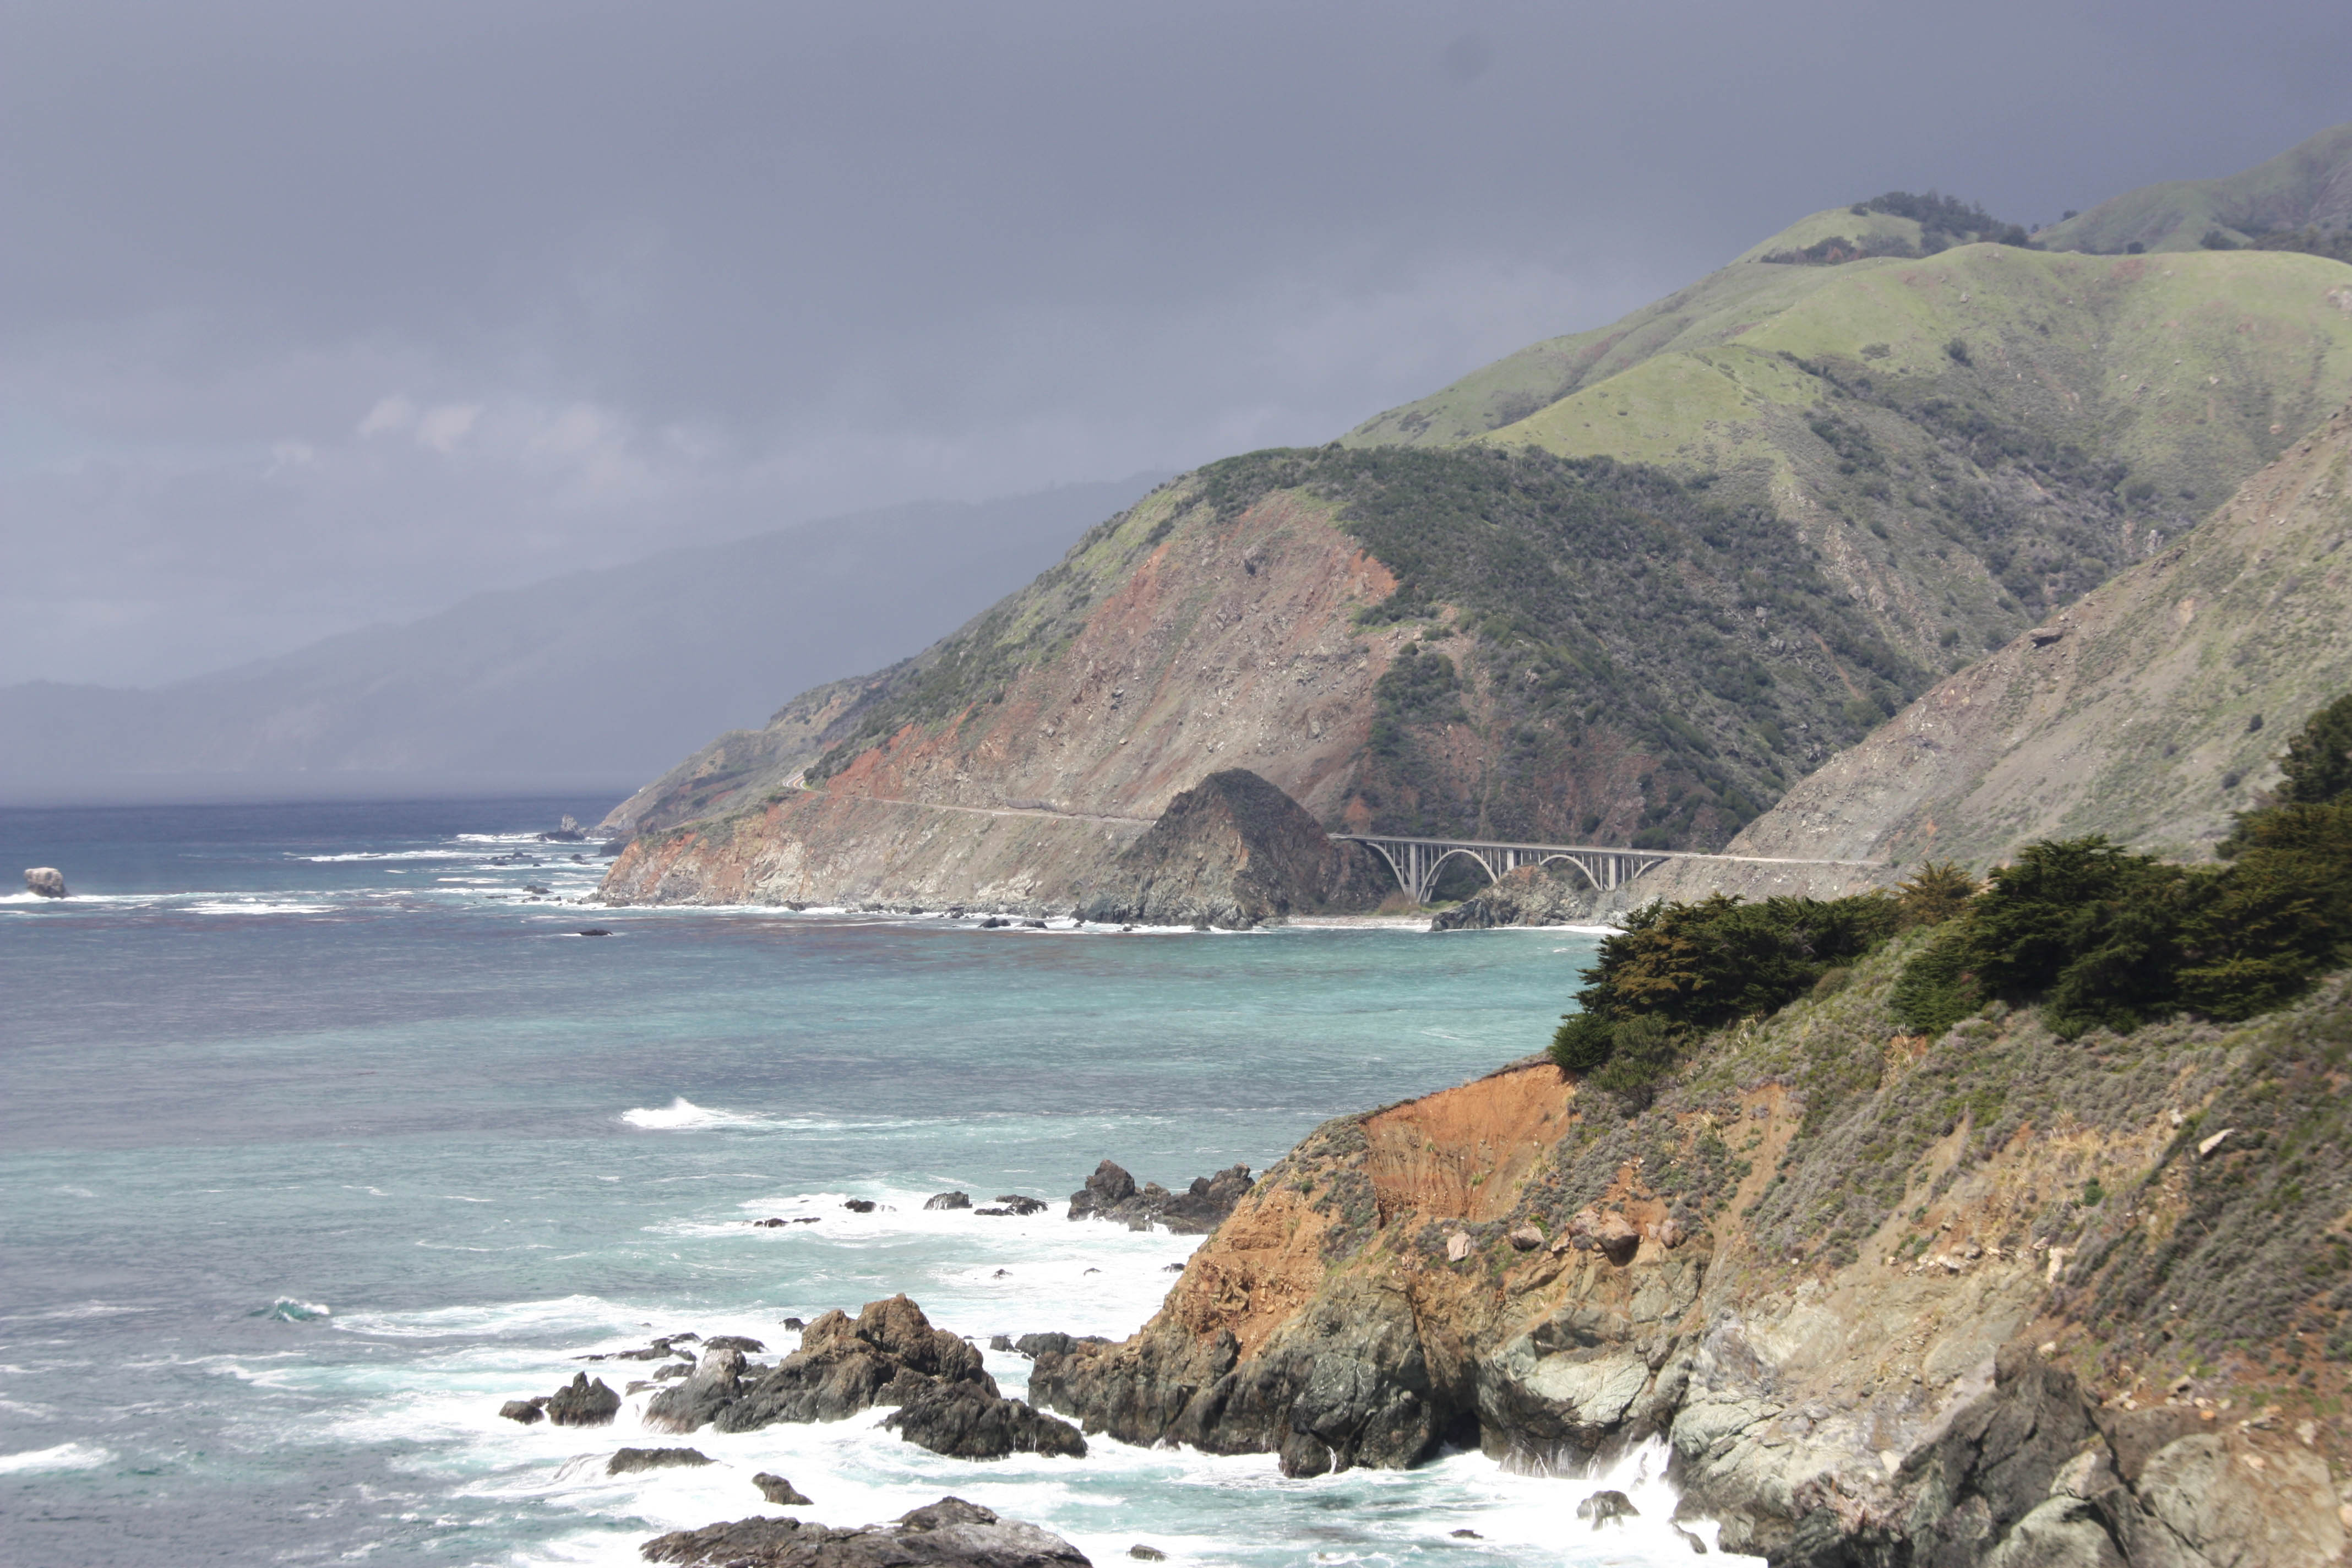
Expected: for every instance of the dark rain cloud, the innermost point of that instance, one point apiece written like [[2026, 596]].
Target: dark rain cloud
[[312, 315]]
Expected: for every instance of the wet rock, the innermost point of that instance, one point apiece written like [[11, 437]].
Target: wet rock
[[861, 1205], [778, 1490], [1465, 1535], [567, 831], [794, 1325], [1000, 1342], [594, 930], [994, 924], [734, 1342], [526, 1411], [887, 1356], [582, 1403], [948, 1533], [1143, 1554], [965, 1421], [1111, 1194], [44, 881], [1015, 1204], [628, 1461], [1607, 1507], [948, 1201], [1053, 1344], [1697, 1546]]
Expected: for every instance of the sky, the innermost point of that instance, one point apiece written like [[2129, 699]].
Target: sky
[[313, 316]]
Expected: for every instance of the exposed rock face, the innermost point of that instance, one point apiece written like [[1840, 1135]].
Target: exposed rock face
[[567, 831], [887, 1355], [778, 1490], [1234, 851], [44, 881], [1111, 1194], [948, 1533], [948, 1201], [1874, 1336], [1529, 896], [2138, 712], [965, 1421]]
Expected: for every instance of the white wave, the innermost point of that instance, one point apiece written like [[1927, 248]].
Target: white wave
[[64, 1456], [682, 1115], [256, 907], [389, 855], [288, 1309]]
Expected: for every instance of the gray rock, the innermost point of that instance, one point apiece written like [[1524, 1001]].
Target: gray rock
[[1015, 1204], [948, 1201], [1111, 1194], [628, 1461], [965, 1421], [948, 1533], [582, 1403], [526, 1411], [1143, 1554], [44, 881], [1607, 1507], [887, 1356], [778, 1490], [716, 1383], [1036, 1345]]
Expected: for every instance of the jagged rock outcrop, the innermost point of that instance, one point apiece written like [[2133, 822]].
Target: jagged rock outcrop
[[887, 1356], [1528, 895], [1234, 851], [965, 1421], [948, 1533], [630, 1461], [1111, 1194], [581, 1404], [1996, 1300], [44, 881]]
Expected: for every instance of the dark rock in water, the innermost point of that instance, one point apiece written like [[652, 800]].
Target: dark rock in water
[[1467, 1535], [734, 1342], [964, 1421], [583, 1403], [1015, 1204], [1607, 1507], [526, 1411], [566, 832], [1529, 896], [1053, 1344], [778, 1490], [44, 881], [948, 1533], [595, 930], [629, 1460], [1000, 1342], [1234, 851], [676, 1369], [536, 891], [1111, 1194], [948, 1201], [994, 924], [887, 1356], [794, 1325], [1035, 925], [1143, 1554], [1171, 1268], [1689, 1540], [860, 1205]]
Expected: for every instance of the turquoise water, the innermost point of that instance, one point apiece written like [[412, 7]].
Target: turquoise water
[[319, 1137]]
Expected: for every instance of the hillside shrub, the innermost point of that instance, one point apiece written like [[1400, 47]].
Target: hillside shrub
[[2106, 938]]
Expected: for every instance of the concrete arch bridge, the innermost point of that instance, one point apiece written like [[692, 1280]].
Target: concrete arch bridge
[[1417, 862]]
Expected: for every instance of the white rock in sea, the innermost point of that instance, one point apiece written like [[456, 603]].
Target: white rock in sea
[[45, 881]]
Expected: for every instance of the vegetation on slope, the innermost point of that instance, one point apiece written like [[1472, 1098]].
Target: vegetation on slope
[[2309, 183]]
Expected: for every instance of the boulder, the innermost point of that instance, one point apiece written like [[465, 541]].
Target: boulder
[[965, 1421], [778, 1490], [887, 1356], [860, 1205], [1607, 1507], [526, 1411], [628, 1461], [734, 1342], [948, 1201], [44, 881], [1143, 1554], [1111, 1194], [567, 831], [1015, 1204], [1053, 1343], [583, 1403], [1526, 1238], [948, 1533]]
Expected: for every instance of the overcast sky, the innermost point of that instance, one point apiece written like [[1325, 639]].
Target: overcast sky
[[315, 314]]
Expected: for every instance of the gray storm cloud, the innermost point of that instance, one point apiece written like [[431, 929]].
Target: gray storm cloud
[[315, 316]]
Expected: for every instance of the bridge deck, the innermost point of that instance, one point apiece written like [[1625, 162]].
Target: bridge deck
[[1416, 862]]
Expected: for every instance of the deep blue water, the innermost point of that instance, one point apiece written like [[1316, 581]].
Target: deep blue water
[[321, 1136]]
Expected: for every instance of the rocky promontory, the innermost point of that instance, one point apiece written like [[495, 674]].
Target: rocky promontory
[[1234, 851], [1998, 1299], [1111, 1194]]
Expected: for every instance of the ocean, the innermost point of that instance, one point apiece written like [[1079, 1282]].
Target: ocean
[[322, 1133]]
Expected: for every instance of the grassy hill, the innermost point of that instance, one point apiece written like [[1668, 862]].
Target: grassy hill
[[2307, 186]]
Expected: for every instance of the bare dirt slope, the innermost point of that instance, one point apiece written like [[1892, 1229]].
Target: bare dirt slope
[[2146, 712]]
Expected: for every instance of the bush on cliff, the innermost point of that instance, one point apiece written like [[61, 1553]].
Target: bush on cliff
[[2105, 939]]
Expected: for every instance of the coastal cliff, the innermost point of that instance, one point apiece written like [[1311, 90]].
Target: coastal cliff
[[1998, 1299]]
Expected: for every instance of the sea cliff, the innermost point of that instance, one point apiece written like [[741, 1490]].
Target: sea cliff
[[1998, 1299]]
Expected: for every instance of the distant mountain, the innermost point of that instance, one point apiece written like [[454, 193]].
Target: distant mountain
[[2307, 186], [1625, 586], [595, 677]]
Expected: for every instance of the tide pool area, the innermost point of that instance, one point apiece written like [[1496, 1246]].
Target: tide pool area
[[323, 1131]]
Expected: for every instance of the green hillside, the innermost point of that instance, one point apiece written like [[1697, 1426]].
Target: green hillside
[[2309, 184]]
